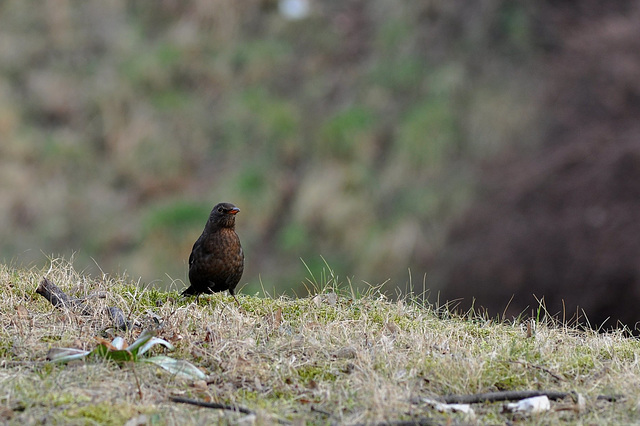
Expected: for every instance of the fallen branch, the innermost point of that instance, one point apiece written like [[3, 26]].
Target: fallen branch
[[61, 300], [501, 396], [119, 321]]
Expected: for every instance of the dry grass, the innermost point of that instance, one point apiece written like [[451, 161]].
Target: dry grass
[[319, 360]]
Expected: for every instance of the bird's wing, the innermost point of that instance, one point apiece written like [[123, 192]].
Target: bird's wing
[[197, 245]]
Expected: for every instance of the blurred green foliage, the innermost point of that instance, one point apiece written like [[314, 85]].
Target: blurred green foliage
[[175, 219], [343, 133], [352, 134]]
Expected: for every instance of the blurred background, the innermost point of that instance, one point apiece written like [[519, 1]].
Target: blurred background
[[485, 150]]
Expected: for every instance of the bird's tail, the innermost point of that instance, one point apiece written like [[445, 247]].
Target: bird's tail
[[189, 291]]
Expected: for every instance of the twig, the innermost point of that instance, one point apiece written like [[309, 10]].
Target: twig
[[416, 422], [318, 410], [135, 375], [610, 398], [501, 396], [97, 295], [539, 367], [217, 406], [213, 405]]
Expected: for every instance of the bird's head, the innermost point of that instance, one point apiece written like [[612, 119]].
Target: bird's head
[[223, 215]]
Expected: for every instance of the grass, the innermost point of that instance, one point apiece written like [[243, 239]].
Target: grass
[[331, 358]]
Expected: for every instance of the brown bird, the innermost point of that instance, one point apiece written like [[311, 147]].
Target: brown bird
[[217, 261]]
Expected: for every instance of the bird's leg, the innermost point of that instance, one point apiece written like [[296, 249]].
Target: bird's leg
[[233, 293]]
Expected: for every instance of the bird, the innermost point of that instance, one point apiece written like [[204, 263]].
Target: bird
[[216, 262]]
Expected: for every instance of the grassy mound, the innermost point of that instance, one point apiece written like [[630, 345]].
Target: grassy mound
[[333, 357]]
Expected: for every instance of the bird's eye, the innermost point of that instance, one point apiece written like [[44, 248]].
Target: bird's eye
[[220, 209]]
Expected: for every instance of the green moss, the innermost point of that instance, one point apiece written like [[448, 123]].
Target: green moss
[[505, 378], [475, 330], [6, 347], [248, 396], [316, 373], [326, 314], [625, 352], [405, 323], [102, 413], [46, 370], [36, 396], [523, 349], [582, 363]]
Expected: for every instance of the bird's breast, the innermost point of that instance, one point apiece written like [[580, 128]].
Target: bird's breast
[[223, 246]]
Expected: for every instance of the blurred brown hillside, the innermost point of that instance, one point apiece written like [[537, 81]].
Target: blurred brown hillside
[[350, 134], [564, 224]]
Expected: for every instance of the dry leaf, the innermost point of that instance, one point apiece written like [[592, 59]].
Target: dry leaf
[[392, 328], [210, 336], [108, 344], [277, 318], [199, 385], [330, 299], [22, 311], [6, 413], [345, 353]]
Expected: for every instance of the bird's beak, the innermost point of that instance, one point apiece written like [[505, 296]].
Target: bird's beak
[[234, 210]]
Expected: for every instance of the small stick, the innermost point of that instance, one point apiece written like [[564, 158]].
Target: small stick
[[501, 396], [413, 422], [217, 406], [318, 410], [610, 398], [133, 369], [211, 405], [539, 367]]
